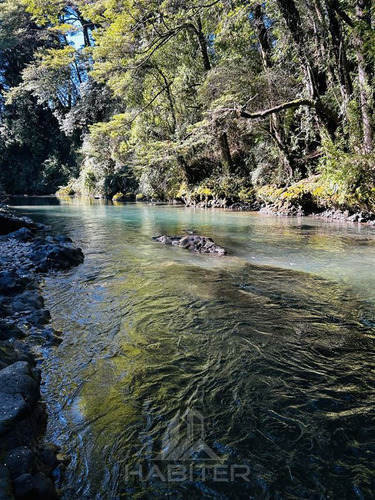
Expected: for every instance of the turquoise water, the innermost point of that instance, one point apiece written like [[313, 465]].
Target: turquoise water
[[270, 350]]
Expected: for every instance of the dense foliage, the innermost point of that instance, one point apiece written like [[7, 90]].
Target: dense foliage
[[194, 99]]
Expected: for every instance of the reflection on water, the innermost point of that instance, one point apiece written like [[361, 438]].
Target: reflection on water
[[272, 345]]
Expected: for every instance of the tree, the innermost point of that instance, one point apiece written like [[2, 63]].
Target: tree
[[35, 155], [186, 95]]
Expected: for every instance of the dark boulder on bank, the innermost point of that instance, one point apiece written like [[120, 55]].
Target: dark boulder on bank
[[24, 234], [192, 242], [19, 392], [55, 254], [11, 281], [349, 215], [10, 223]]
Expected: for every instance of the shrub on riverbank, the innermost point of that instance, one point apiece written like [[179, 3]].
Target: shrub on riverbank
[[222, 189], [329, 191]]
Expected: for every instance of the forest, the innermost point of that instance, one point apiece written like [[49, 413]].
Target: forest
[[214, 102]]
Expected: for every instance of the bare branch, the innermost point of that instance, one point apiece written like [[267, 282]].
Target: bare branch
[[286, 105]]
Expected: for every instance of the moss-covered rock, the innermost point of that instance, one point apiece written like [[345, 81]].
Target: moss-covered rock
[[309, 196], [67, 190], [118, 197], [302, 198]]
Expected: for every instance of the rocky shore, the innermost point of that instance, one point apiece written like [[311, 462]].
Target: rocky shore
[[301, 209], [224, 203], [28, 465], [302, 206], [361, 217]]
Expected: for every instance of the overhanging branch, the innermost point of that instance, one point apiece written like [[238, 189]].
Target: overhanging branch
[[286, 105]]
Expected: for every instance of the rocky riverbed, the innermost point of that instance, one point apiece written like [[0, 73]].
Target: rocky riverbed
[[28, 465]]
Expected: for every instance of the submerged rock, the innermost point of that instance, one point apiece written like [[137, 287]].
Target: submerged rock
[[193, 242]]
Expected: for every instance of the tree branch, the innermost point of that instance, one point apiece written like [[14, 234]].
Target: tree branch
[[149, 103], [286, 105], [340, 12], [325, 113]]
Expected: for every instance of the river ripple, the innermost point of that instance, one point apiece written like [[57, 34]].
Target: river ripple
[[272, 346]]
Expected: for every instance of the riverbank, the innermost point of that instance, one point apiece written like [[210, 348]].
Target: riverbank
[[308, 197], [295, 210], [27, 252], [312, 196], [288, 209]]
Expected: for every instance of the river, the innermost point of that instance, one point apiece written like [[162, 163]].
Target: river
[[249, 376]]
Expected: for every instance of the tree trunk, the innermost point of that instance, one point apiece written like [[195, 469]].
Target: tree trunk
[[225, 152], [363, 14], [316, 82], [203, 45], [262, 33], [276, 131], [337, 38]]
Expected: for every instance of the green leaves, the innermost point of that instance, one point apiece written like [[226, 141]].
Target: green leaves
[[183, 92], [45, 12]]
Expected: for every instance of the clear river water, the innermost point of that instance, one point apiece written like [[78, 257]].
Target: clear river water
[[188, 376]]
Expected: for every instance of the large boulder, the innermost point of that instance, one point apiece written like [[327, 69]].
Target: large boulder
[[5, 484], [11, 282], [192, 242], [12, 408], [10, 223], [19, 461], [24, 234], [55, 255], [19, 392]]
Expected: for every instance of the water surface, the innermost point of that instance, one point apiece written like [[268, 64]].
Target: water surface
[[273, 346]]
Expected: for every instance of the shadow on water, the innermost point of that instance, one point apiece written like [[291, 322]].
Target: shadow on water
[[278, 363], [34, 201]]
